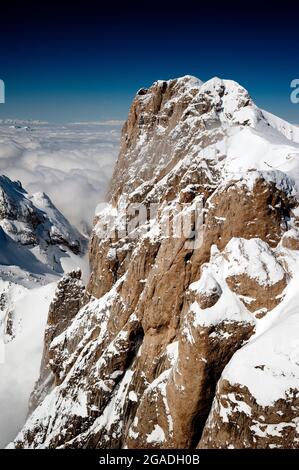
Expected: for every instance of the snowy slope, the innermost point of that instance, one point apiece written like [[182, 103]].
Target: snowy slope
[[275, 345], [221, 124], [21, 353], [290, 131], [35, 237]]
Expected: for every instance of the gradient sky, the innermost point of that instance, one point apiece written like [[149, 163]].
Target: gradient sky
[[63, 62]]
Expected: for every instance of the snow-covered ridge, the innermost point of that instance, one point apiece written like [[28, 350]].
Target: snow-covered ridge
[[184, 122], [290, 131], [35, 236], [234, 101], [228, 99]]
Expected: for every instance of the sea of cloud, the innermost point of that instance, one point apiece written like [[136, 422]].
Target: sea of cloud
[[71, 163]]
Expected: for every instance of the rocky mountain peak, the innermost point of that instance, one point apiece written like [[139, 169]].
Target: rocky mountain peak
[[177, 302], [176, 119]]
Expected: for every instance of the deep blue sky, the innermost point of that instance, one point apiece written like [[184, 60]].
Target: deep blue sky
[[65, 62]]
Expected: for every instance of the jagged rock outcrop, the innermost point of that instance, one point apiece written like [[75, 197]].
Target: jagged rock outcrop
[[68, 300], [237, 421], [179, 283]]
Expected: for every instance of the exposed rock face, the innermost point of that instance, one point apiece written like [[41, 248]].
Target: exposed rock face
[[290, 240], [237, 421], [168, 304], [256, 403], [67, 302]]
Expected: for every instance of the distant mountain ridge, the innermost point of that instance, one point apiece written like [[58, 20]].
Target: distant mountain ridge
[[22, 122], [36, 228]]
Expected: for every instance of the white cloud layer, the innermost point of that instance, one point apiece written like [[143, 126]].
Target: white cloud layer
[[72, 164], [111, 122]]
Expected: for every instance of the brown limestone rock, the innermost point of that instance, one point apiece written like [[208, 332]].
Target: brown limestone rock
[[237, 421], [138, 364], [64, 307]]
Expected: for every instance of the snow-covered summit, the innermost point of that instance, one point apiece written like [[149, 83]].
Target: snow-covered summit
[[227, 98], [183, 122]]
